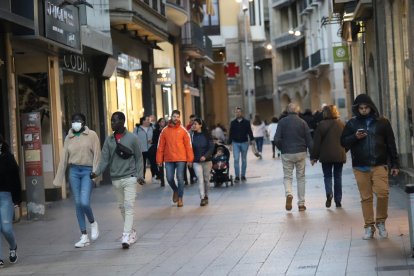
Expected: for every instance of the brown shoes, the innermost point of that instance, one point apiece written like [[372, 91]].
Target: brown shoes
[[302, 208], [180, 202], [175, 197], [289, 199]]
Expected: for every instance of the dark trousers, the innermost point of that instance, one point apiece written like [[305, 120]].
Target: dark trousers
[[147, 155], [155, 170]]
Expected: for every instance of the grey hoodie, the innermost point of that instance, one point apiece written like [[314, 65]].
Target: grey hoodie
[[121, 168]]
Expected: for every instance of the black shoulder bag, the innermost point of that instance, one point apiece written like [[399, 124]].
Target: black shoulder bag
[[123, 151]]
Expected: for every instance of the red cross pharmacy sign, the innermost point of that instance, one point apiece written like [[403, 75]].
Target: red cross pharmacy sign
[[231, 69]]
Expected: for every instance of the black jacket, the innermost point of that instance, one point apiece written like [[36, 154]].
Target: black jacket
[[10, 177], [378, 148], [240, 132]]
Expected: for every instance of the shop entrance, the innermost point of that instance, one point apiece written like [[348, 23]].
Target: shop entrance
[[167, 105]]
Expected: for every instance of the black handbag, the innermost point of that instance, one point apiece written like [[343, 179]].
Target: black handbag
[[123, 151]]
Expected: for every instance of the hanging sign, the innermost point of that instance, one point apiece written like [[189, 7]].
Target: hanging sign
[[340, 53]]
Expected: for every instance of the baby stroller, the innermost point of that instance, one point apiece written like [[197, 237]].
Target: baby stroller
[[220, 170]]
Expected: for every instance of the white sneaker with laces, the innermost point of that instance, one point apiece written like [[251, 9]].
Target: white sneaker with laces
[[369, 233], [125, 240], [94, 231], [84, 241], [382, 232], [132, 236]]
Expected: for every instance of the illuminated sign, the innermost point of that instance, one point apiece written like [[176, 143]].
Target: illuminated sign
[[165, 75]]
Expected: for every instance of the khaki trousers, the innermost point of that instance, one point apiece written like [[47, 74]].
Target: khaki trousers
[[125, 191], [369, 183]]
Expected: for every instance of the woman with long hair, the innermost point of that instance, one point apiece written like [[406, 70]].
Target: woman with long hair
[[10, 195], [81, 154], [332, 155], [259, 131], [203, 147]]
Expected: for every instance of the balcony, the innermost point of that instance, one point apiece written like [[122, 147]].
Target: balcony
[[264, 92], [176, 11], [290, 76], [316, 60], [139, 18], [278, 4], [195, 43], [339, 5], [288, 39]]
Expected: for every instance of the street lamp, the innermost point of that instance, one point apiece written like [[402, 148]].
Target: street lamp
[[247, 62]]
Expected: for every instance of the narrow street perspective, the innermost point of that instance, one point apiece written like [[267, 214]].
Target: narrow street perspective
[[244, 230]]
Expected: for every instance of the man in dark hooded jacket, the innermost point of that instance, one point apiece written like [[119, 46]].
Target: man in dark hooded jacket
[[371, 141]]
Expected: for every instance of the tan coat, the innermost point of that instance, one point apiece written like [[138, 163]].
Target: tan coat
[[327, 142], [82, 150]]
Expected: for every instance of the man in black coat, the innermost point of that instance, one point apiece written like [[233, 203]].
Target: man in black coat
[[371, 141], [240, 133]]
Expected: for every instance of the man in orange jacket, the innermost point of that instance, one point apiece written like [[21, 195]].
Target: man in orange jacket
[[175, 150]]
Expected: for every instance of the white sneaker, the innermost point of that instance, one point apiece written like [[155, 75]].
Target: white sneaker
[[84, 241], [125, 240], [94, 231], [369, 233], [132, 236], [154, 179], [382, 232]]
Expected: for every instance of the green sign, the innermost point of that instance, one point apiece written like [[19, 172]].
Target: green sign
[[340, 53]]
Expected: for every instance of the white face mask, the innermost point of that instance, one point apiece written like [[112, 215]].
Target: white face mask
[[76, 126]]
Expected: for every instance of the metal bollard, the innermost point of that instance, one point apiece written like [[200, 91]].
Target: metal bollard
[[409, 189]]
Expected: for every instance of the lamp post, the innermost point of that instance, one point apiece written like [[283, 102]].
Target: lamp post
[[247, 62]]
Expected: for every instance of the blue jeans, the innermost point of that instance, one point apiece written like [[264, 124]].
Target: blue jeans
[[337, 175], [259, 143], [81, 186], [240, 148], [6, 220], [171, 168]]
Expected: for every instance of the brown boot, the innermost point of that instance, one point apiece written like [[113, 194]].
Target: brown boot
[[180, 202], [175, 197]]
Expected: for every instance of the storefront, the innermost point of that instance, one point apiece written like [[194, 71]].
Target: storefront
[[165, 80], [124, 91], [78, 91]]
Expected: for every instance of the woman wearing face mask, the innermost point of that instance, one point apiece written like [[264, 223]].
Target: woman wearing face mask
[[10, 195], [81, 154]]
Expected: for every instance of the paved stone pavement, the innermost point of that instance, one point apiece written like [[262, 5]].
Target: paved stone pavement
[[245, 230]]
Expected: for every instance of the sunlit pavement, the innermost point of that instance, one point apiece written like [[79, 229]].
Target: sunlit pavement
[[245, 230]]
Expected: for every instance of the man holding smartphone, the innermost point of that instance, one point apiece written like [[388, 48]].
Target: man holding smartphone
[[374, 153]]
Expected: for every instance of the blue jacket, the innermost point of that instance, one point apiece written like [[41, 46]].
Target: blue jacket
[[202, 146]]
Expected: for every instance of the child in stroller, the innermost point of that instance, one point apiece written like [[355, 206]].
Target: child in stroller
[[220, 169]]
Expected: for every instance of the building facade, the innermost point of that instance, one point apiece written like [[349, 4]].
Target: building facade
[[381, 56]]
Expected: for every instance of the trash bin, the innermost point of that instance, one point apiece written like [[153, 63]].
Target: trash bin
[[409, 189]]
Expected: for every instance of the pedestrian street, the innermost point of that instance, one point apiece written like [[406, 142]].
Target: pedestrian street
[[244, 230]]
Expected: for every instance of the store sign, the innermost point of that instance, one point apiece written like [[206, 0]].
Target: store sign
[[62, 23], [75, 63], [165, 75], [340, 53], [129, 63]]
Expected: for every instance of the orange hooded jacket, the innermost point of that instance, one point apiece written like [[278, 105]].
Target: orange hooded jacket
[[174, 145]]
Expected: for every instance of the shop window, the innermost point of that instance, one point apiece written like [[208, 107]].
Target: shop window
[[124, 93]]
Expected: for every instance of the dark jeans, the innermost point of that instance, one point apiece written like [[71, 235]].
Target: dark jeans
[[146, 155], [337, 176], [273, 147], [176, 167], [259, 143]]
